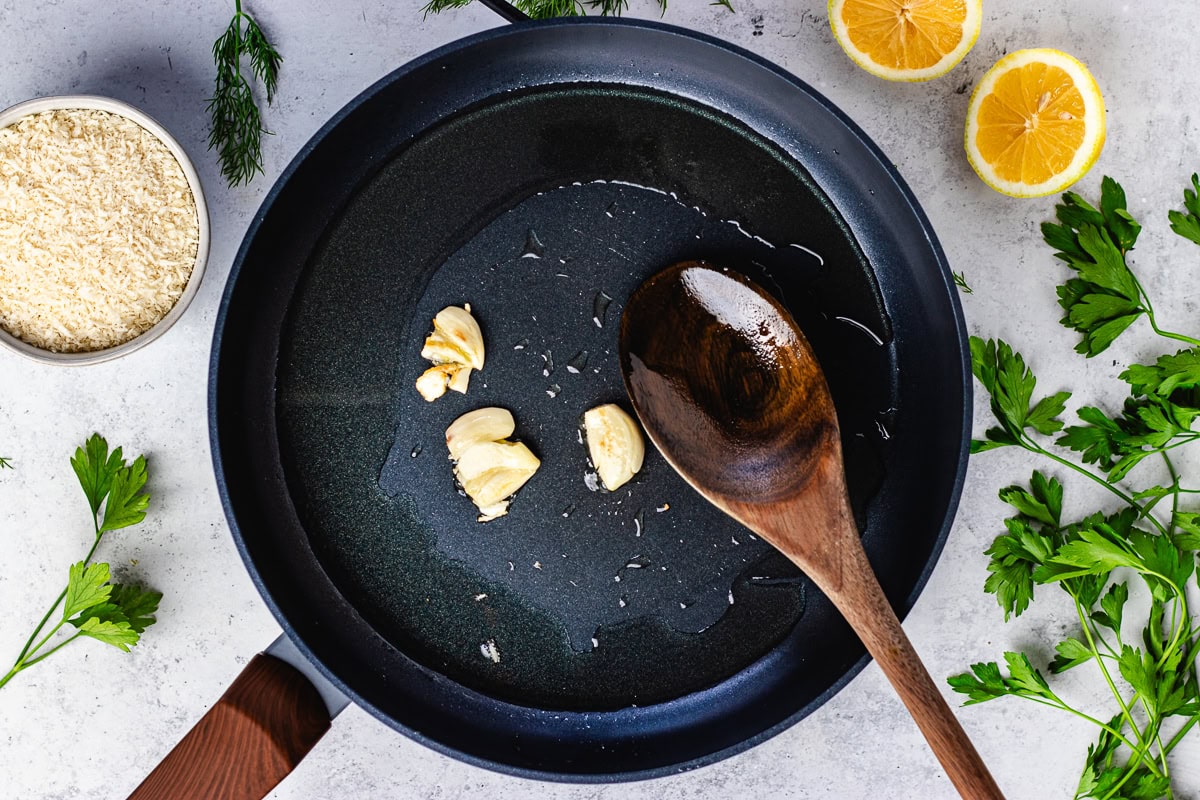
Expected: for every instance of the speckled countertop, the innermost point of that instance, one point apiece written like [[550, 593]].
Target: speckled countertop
[[92, 721]]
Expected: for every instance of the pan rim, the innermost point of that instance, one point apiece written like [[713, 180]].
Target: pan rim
[[956, 323]]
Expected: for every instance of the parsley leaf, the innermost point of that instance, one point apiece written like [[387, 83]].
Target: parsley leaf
[[986, 683], [1014, 558], [1105, 298], [95, 467], [1167, 374], [87, 586], [137, 604], [1071, 653], [1095, 551], [1138, 668], [126, 504], [1010, 383], [108, 624], [1189, 524], [1042, 502], [1188, 225], [1112, 608]]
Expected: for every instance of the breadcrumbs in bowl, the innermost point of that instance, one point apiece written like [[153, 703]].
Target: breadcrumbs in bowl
[[103, 229]]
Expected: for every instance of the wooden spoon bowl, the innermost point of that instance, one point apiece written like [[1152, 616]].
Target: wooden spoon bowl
[[730, 391]]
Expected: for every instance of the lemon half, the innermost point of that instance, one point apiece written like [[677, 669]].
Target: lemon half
[[1035, 124], [906, 40]]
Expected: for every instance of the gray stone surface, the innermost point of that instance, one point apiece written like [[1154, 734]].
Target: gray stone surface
[[90, 722]]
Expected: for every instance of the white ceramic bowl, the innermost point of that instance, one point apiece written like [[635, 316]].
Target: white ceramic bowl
[[63, 102]]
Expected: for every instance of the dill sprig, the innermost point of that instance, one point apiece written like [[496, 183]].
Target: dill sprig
[[237, 126], [545, 9]]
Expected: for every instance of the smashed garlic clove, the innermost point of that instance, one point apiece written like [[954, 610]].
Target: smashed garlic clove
[[455, 348], [433, 382], [483, 457], [459, 380], [491, 486], [456, 338], [614, 443], [489, 468], [481, 425]]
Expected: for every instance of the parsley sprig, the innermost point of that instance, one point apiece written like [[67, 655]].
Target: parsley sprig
[[1106, 298], [91, 605], [1147, 660], [237, 126]]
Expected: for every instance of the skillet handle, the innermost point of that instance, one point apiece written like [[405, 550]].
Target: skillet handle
[[256, 734], [507, 10]]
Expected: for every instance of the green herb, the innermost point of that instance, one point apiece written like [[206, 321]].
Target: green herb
[[237, 126], [92, 605], [6, 463], [1144, 650], [960, 280], [545, 9]]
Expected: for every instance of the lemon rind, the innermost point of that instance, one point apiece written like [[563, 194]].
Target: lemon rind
[[1085, 156]]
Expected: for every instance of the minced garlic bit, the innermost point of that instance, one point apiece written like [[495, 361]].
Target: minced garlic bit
[[98, 230]]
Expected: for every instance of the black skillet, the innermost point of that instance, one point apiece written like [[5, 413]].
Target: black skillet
[[534, 171]]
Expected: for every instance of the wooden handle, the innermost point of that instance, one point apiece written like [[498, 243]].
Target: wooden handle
[[247, 743], [817, 532], [863, 604]]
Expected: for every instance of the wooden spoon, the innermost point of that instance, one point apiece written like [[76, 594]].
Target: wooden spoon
[[731, 393]]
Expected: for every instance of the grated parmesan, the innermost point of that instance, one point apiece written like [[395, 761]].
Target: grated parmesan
[[98, 230]]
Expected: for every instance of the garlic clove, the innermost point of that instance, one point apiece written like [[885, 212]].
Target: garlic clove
[[489, 424], [455, 348], [615, 444], [494, 485], [483, 457], [440, 351], [459, 379], [433, 381], [455, 329], [488, 466]]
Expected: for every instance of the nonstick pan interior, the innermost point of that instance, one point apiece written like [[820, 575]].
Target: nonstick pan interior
[[634, 631]]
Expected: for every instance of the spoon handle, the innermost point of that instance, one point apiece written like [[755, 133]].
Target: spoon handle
[[862, 603], [817, 531]]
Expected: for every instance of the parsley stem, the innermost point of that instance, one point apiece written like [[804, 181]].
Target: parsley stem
[[1087, 631], [43, 641], [1179, 337], [1156, 724], [21, 662], [1153, 322], [52, 650], [86, 560], [1138, 757], [40, 625], [1179, 734], [37, 630], [1037, 448], [1175, 490], [1103, 725]]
